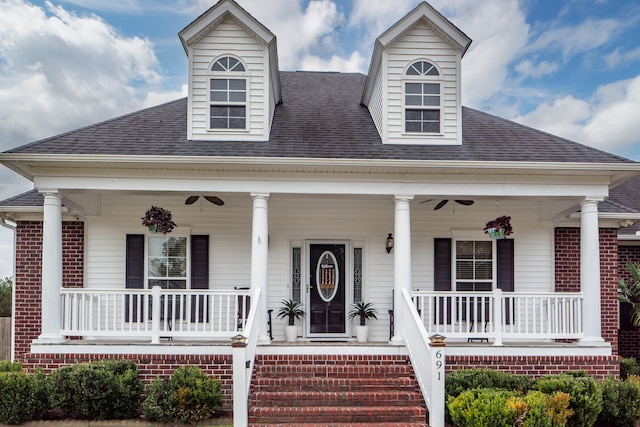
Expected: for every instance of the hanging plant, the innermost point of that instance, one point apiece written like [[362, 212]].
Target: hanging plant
[[158, 220], [499, 228]]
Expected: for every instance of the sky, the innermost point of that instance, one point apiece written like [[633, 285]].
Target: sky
[[570, 67]]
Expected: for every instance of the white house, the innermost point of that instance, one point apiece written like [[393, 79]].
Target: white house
[[328, 189]]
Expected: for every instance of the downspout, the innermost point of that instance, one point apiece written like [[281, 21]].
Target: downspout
[[3, 222]]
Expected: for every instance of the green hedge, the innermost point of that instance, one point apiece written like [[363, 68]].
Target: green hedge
[[23, 397], [620, 402], [188, 396], [585, 392], [97, 390]]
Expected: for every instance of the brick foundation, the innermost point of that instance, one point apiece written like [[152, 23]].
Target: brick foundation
[[535, 366], [567, 274], [151, 366]]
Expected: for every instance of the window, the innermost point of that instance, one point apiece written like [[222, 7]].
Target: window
[[167, 262], [296, 273], [474, 265], [228, 95], [422, 98], [357, 274]]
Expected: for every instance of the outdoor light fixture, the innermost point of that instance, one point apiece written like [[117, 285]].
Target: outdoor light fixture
[[389, 243]]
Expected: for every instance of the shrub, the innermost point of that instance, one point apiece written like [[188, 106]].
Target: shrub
[[188, 396], [461, 380], [482, 407], [586, 396], [97, 390], [8, 366], [620, 403], [23, 397], [537, 409], [629, 366]]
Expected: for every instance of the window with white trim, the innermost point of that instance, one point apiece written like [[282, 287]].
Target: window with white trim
[[422, 98], [474, 265], [167, 262], [228, 94]]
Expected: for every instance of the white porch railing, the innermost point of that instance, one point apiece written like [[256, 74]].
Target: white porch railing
[[427, 361], [154, 313], [244, 353], [497, 315]]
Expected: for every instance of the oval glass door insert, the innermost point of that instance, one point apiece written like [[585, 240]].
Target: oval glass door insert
[[327, 276]]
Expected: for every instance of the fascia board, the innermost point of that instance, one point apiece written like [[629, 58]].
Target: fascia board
[[219, 11], [13, 161], [425, 11]]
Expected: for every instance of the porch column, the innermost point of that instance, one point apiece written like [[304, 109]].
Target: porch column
[[51, 314], [401, 263], [259, 260], [590, 270]]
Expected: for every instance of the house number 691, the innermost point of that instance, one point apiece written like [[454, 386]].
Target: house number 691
[[439, 364]]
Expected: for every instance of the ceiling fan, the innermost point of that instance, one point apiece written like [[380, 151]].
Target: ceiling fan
[[441, 203], [213, 199]]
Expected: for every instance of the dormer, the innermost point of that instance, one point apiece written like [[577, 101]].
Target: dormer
[[234, 81], [413, 88]]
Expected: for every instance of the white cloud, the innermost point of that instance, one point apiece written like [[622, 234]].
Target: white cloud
[[608, 121], [620, 57], [530, 69], [353, 64], [572, 40], [60, 71]]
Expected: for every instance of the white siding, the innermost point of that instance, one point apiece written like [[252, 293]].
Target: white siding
[[376, 103], [367, 220], [230, 38], [421, 42]]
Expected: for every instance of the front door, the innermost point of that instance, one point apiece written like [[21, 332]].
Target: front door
[[327, 289]]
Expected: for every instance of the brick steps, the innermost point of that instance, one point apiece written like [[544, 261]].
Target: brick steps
[[337, 398], [345, 425], [340, 391]]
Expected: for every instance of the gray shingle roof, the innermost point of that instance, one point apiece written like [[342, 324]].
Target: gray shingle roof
[[30, 198], [320, 117]]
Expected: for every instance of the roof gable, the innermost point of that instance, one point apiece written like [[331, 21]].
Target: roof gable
[[229, 9]]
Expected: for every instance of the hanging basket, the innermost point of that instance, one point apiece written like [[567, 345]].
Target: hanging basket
[[499, 228], [496, 233], [158, 220]]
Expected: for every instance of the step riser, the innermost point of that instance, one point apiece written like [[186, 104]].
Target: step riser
[[359, 399], [336, 415], [333, 384]]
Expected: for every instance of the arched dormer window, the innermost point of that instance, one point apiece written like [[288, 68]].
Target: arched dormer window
[[422, 98], [228, 94]]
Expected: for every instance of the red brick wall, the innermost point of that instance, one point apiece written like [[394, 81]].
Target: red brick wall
[[535, 366], [629, 341], [151, 366], [29, 275], [567, 272]]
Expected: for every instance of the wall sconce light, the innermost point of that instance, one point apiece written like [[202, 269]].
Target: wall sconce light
[[388, 244]]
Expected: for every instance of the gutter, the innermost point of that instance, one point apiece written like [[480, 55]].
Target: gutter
[[3, 223]]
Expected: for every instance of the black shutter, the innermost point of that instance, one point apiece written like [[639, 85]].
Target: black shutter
[[505, 267], [442, 274], [505, 261], [134, 271], [442, 264], [199, 274]]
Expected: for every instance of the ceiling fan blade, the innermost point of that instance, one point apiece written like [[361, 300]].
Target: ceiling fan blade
[[440, 204], [425, 201], [465, 202], [215, 200], [191, 200]]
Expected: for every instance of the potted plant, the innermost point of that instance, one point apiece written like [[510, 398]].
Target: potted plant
[[499, 228], [365, 311], [291, 310], [158, 220]]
